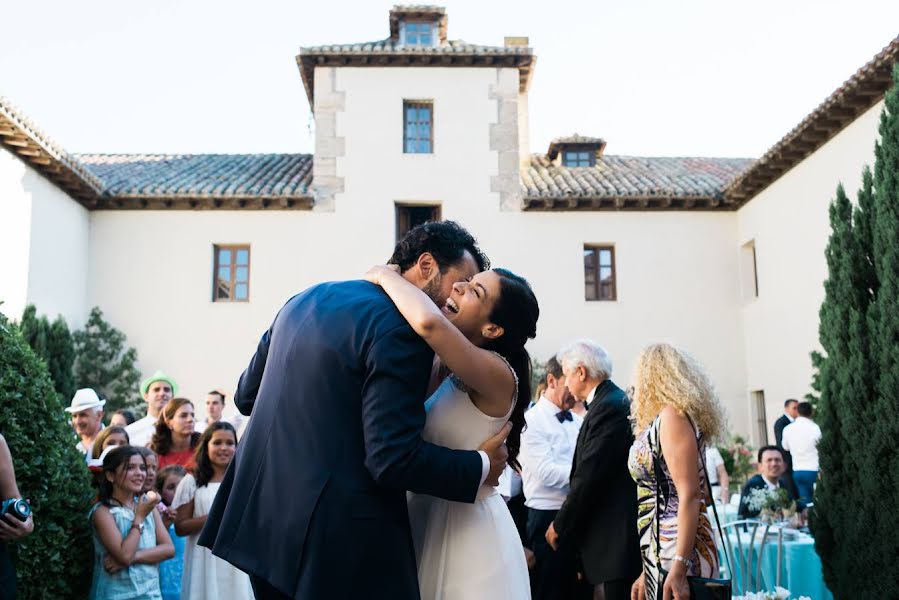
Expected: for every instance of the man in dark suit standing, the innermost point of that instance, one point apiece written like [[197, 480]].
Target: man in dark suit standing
[[314, 503], [791, 411], [599, 515]]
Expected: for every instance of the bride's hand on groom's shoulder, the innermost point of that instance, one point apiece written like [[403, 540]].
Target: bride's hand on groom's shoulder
[[377, 272]]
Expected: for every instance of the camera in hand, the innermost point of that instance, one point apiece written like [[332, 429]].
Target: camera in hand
[[16, 507]]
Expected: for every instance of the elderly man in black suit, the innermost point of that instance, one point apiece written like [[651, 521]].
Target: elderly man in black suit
[[599, 516], [314, 503]]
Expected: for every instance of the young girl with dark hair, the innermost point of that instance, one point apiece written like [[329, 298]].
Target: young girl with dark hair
[[479, 336], [129, 537], [207, 576], [170, 571], [175, 440]]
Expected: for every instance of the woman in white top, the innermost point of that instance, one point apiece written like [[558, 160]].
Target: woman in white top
[[207, 577], [471, 551]]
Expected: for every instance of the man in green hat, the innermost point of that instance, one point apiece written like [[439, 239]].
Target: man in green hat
[[157, 390]]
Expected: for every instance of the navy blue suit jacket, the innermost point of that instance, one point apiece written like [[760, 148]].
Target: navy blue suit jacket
[[314, 501]]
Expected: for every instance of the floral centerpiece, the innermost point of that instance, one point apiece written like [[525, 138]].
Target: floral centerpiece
[[778, 594], [738, 458], [772, 506]]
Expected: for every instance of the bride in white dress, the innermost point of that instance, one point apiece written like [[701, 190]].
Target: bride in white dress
[[471, 551]]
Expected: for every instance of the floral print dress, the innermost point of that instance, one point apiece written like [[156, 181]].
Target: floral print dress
[[660, 553]]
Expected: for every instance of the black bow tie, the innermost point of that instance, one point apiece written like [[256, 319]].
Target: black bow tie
[[564, 415]]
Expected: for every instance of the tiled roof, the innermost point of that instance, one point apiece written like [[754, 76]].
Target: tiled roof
[[630, 182], [253, 178], [859, 93], [574, 140], [390, 53], [20, 136], [391, 46]]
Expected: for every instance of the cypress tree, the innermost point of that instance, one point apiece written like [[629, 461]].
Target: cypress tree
[[54, 345], [880, 441], [855, 500], [104, 363]]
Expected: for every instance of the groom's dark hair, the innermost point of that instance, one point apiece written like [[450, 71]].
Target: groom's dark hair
[[446, 241]]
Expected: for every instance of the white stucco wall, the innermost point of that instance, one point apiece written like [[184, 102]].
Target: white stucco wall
[[789, 223], [151, 271], [45, 235]]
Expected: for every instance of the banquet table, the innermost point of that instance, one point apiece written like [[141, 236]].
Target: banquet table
[[800, 570]]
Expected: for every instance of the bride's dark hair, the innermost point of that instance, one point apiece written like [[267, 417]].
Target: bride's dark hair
[[516, 311]]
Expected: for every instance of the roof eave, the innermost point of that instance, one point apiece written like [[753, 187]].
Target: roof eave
[[308, 59], [852, 99]]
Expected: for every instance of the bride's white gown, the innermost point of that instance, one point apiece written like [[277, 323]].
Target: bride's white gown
[[465, 551]]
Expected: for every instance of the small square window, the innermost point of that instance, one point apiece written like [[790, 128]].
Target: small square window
[[578, 158], [410, 215], [231, 274], [418, 33], [418, 127], [599, 273]]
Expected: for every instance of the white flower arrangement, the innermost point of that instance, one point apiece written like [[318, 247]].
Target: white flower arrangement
[[771, 505], [779, 593]]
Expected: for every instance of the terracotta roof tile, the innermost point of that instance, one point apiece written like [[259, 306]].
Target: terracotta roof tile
[[201, 175], [619, 179]]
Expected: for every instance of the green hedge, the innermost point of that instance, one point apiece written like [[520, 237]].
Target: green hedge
[[56, 560]]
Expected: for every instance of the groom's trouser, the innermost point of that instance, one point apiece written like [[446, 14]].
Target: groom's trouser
[[554, 577], [263, 590], [618, 589]]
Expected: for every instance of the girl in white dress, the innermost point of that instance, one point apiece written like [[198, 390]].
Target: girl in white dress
[[470, 551], [207, 576]]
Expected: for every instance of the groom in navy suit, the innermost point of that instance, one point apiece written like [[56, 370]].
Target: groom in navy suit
[[314, 503]]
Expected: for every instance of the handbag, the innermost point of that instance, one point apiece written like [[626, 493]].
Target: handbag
[[701, 588]]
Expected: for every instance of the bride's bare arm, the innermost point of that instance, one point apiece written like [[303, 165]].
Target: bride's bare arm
[[480, 369]]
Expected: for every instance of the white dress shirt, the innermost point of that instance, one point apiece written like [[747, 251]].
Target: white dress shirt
[[800, 439], [547, 450], [141, 431]]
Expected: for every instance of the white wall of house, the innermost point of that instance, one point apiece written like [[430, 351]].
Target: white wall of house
[[45, 235], [788, 223], [151, 271]]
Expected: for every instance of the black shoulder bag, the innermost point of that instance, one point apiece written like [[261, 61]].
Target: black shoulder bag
[[701, 588]]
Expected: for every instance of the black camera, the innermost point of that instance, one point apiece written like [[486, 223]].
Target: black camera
[[17, 508]]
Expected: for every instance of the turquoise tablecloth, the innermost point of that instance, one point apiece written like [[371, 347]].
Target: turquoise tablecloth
[[800, 566]]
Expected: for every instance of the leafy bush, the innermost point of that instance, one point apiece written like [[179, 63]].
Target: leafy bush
[[54, 561]]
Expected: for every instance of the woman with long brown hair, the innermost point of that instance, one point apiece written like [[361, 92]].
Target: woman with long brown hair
[[175, 439]]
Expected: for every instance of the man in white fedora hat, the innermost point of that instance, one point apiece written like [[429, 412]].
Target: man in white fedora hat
[[87, 418], [157, 390]]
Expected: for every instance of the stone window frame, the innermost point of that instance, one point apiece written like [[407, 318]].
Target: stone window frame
[[225, 289], [594, 290]]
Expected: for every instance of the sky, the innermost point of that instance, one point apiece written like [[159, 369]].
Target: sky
[[653, 78]]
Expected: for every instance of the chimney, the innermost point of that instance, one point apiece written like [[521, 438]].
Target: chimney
[[516, 42]]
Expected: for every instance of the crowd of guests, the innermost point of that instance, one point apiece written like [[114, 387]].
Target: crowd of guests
[[611, 499], [615, 486], [156, 478]]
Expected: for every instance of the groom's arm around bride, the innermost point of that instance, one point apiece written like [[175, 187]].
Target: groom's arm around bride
[[314, 503]]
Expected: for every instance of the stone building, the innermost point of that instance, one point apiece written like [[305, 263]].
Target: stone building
[[192, 255]]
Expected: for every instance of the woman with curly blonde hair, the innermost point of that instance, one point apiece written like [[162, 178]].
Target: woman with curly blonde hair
[[676, 414]]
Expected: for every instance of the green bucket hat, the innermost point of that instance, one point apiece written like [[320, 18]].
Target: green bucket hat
[[158, 376]]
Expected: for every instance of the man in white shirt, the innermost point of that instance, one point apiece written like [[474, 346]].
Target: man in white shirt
[[157, 390], [717, 474], [547, 449], [215, 408], [800, 439], [87, 418]]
